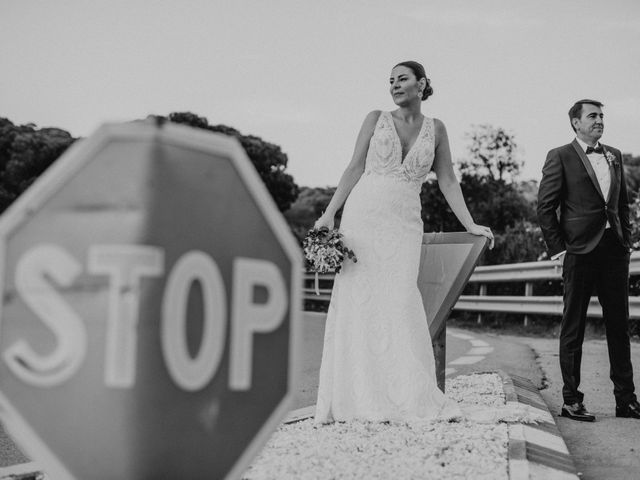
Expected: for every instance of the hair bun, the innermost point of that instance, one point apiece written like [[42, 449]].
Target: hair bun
[[428, 90]]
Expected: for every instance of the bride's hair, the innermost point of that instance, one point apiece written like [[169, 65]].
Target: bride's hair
[[418, 71]]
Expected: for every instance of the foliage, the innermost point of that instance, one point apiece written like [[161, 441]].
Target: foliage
[[634, 217], [632, 172], [492, 154], [26, 152], [495, 203], [437, 216], [491, 202], [307, 208], [487, 179], [268, 159], [522, 242]]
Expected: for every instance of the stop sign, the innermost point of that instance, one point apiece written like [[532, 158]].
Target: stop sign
[[151, 297]]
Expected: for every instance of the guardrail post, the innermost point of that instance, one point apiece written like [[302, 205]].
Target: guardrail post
[[482, 292], [528, 291]]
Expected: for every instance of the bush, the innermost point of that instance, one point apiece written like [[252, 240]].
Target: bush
[[522, 242], [309, 205]]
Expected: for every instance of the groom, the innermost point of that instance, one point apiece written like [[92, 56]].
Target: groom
[[585, 180]]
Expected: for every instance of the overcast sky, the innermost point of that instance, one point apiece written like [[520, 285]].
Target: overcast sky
[[303, 74]]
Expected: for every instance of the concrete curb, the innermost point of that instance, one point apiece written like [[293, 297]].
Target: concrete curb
[[536, 452]]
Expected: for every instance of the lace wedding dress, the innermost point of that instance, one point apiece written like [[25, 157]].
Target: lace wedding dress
[[378, 361]]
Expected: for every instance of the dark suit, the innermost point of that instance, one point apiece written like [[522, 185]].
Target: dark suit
[[596, 259]]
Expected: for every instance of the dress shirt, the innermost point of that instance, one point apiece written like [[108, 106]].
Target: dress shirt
[[601, 167]]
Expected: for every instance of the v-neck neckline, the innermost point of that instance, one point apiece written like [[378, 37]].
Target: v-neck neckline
[[395, 130]]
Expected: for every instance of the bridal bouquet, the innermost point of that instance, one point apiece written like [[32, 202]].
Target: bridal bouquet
[[324, 252]]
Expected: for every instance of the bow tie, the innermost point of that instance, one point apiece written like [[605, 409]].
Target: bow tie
[[591, 150]]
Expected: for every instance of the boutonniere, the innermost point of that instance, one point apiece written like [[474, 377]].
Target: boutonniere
[[611, 158]]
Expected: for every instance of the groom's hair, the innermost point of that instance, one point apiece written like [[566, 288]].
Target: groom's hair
[[576, 110]]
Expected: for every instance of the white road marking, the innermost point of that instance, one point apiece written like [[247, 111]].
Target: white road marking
[[448, 371], [467, 360], [461, 336], [480, 351], [476, 354]]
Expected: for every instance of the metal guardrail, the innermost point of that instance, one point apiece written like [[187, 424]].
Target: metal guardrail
[[527, 304], [532, 271], [309, 292], [551, 305]]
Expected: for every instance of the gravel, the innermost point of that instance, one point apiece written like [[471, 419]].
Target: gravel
[[462, 449]]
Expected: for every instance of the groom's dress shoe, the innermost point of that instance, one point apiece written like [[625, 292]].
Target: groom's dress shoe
[[577, 411], [630, 411]]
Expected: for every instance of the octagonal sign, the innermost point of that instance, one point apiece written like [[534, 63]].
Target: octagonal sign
[[151, 297]]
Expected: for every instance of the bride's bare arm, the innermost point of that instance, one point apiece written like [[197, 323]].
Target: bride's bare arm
[[449, 185], [353, 172]]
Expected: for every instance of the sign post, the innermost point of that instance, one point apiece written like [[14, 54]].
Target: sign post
[[151, 300]]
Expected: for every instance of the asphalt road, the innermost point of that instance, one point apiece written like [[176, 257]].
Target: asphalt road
[[610, 447]]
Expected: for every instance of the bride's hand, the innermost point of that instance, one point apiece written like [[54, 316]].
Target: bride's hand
[[482, 230], [324, 221]]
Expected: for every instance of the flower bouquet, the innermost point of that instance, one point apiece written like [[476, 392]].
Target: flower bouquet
[[324, 252]]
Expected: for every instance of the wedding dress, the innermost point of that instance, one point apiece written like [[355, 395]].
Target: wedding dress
[[377, 361]]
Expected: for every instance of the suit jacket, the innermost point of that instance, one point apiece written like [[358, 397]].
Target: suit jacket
[[572, 210]]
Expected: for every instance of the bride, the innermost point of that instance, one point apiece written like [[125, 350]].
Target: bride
[[377, 361]]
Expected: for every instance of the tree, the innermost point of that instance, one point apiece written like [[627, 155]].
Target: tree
[[508, 207], [490, 202], [492, 153], [307, 208], [437, 216], [25, 152], [496, 203], [632, 173], [521, 242], [268, 159], [634, 220]]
